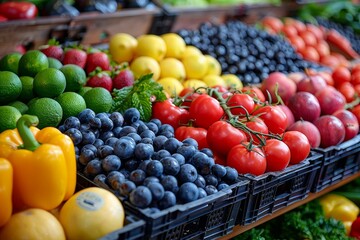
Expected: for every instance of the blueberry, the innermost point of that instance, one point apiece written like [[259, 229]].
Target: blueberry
[[187, 151], [135, 136], [137, 176], [104, 151], [106, 124], [171, 166], [75, 135], [100, 180], [153, 127], [202, 193], [62, 128], [105, 135], [172, 144], [95, 131], [115, 179], [187, 173], [141, 126], [117, 131], [148, 134], [231, 175], [161, 154], [156, 121], [188, 192], [210, 189], [210, 179], [77, 150], [208, 152], [200, 181], [72, 122], [95, 123], [150, 179], [125, 172], [141, 196], [111, 163], [167, 201], [117, 119], [143, 151], [202, 162], [147, 141], [131, 165], [164, 129], [101, 115], [90, 147], [93, 168], [154, 168], [190, 141], [84, 127], [85, 115], [157, 190], [126, 130], [158, 142], [222, 186], [86, 155], [218, 170], [88, 137], [127, 187], [143, 164], [180, 158], [125, 147], [131, 115], [111, 141], [170, 183], [98, 142]]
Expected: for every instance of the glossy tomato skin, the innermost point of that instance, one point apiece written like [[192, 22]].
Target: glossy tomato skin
[[169, 113], [241, 104], [205, 110], [274, 118], [222, 136], [277, 155], [247, 161], [254, 92], [298, 144], [199, 134], [257, 125]]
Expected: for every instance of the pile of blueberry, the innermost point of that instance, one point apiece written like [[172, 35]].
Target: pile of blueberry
[[246, 51], [142, 161]]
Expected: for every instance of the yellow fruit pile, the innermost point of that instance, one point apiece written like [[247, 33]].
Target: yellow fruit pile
[[173, 64]]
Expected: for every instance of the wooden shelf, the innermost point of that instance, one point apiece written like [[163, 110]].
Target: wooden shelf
[[240, 229]]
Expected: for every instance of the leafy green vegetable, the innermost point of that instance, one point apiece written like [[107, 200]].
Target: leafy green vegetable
[[138, 96]]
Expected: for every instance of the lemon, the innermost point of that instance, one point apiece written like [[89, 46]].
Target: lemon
[[27, 92], [98, 99], [91, 214], [9, 116], [171, 85], [34, 224], [47, 110], [71, 103], [172, 67], [232, 81], [49, 82], [145, 65], [175, 45], [83, 90], [75, 77], [54, 63], [22, 107], [10, 62], [10, 87], [214, 67], [151, 46], [214, 80], [195, 66], [194, 83], [190, 51], [32, 62], [122, 47]]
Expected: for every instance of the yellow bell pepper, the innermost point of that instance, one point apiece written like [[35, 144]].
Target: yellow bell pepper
[[340, 208], [44, 164], [6, 185]]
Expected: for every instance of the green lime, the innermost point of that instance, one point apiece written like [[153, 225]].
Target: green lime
[[10, 62], [71, 103], [22, 107], [10, 87], [9, 116], [98, 99], [47, 110], [32, 62], [49, 82], [54, 63], [83, 90], [75, 77], [27, 92]]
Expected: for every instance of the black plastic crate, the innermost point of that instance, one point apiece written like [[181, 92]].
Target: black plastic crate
[[273, 191], [207, 218], [338, 163]]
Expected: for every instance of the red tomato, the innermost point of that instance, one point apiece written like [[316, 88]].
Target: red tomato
[[348, 90], [340, 75], [322, 48], [310, 53], [356, 112], [258, 126], [272, 23], [274, 118], [289, 31], [241, 104], [188, 99], [298, 144], [219, 159], [355, 77], [199, 134], [168, 113], [222, 136], [254, 92], [330, 61], [247, 161], [277, 155], [297, 42], [309, 38], [205, 110]]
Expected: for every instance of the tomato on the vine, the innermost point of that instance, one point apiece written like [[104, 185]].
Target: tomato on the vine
[[199, 134], [222, 136], [258, 126], [254, 92], [169, 113], [298, 144], [241, 103], [205, 110], [277, 155], [274, 118], [246, 160]]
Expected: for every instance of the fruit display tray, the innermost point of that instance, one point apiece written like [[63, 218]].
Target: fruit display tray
[[273, 191], [207, 218], [338, 162]]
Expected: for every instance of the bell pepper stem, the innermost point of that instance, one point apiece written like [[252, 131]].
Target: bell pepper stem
[[28, 138]]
